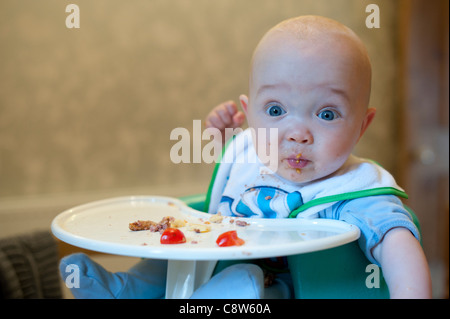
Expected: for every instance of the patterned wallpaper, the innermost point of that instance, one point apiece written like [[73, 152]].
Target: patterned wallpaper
[[91, 109]]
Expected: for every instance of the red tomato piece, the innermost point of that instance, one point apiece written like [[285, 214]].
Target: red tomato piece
[[172, 236], [229, 238]]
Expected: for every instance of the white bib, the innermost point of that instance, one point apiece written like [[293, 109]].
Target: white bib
[[243, 186]]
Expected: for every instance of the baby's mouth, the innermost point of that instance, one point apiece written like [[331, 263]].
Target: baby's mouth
[[297, 162]]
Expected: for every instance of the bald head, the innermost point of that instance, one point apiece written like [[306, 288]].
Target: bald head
[[313, 27], [312, 35]]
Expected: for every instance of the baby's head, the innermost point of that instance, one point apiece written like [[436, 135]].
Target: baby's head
[[310, 78]]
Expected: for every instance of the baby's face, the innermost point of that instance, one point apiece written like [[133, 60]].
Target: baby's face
[[315, 94]]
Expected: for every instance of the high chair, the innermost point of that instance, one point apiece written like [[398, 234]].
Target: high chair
[[338, 273]]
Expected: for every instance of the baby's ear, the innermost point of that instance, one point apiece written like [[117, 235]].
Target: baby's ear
[[244, 102], [370, 114]]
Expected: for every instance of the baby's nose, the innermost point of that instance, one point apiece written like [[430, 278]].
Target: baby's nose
[[300, 135]]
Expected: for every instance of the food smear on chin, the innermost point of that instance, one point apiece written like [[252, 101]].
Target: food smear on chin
[[298, 170]]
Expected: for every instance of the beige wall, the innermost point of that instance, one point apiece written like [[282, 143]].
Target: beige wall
[[90, 110]]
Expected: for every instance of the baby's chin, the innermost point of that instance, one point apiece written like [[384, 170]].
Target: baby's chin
[[299, 176], [294, 176]]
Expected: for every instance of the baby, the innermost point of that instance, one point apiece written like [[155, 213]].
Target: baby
[[310, 79]]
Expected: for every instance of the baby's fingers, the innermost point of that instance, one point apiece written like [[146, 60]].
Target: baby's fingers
[[221, 116], [225, 116], [214, 120], [238, 119]]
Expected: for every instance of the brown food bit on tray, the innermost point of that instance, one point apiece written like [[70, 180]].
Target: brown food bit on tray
[[162, 225], [151, 225], [141, 225], [241, 223]]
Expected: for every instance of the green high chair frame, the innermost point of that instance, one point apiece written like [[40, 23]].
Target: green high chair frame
[[335, 273]]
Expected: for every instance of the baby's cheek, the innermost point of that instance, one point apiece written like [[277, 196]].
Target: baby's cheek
[[334, 159], [328, 150], [337, 147]]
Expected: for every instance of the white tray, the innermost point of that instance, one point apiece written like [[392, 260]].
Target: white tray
[[103, 226]]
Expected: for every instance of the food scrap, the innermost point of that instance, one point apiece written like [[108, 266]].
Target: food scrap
[[199, 228], [217, 218], [229, 238], [177, 223], [152, 226], [172, 236], [169, 228], [141, 225], [241, 223]]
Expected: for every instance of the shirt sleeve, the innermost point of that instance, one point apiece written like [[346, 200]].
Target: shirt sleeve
[[374, 216]]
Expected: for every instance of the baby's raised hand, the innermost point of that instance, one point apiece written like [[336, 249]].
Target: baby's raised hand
[[225, 115]]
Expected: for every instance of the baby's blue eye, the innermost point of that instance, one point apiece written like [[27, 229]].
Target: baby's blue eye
[[327, 115], [275, 110]]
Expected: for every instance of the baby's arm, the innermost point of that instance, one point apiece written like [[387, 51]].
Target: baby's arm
[[404, 265]]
